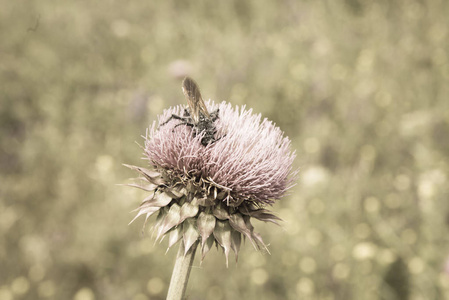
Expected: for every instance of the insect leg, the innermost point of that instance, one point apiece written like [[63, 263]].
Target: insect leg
[[184, 123], [220, 137], [174, 117]]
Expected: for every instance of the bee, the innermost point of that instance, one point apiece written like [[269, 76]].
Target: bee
[[196, 115]]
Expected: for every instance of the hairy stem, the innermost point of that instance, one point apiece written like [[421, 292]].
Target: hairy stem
[[181, 272]]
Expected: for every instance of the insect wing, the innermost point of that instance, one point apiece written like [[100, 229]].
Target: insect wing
[[194, 99]]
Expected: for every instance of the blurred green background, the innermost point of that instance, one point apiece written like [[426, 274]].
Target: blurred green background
[[361, 87]]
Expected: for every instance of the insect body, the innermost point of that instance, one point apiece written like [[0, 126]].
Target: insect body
[[196, 115]]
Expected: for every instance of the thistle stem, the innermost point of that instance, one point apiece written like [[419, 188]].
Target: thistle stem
[[181, 272]]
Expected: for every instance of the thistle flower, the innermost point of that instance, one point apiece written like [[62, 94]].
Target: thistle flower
[[210, 193]]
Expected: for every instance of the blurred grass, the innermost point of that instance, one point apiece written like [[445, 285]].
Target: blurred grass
[[361, 88]]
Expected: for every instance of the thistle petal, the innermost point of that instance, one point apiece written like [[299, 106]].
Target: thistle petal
[[148, 187], [222, 234], [188, 210], [174, 194], [220, 212], [207, 246], [149, 211], [267, 217], [259, 239], [262, 215], [206, 225], [236, 241], [152, 176], [221, 195], [170, 220], [254, 235], [155, 200], [159, 220], [206, 201], [174, 236], [162, 199], [238, 223], [190, 235], [146, 201], [143, 171]]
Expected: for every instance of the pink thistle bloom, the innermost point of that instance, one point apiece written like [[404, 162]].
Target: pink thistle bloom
[[211, 192]]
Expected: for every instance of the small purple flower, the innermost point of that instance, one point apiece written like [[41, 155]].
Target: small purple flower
[[209, 193]]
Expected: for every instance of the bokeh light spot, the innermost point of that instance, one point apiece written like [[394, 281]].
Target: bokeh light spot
[[140, 297], [305, 286], [120, 28], [20, 285], [408, 236], [180, 68], [426, 189], [372, 205], [402, 182], [259, 276], [104, 164], [341, 271], [146, 247], [5, 293], [36, 272], [307, 265], [314, 237], [363, 251], [46, 289], [9, 217], [365, 60], [368, 153], [312, 145], [416, 265], [314, 175], [155, 286], [84, 294]]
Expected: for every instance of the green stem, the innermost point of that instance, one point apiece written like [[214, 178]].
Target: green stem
[[181, 272]]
